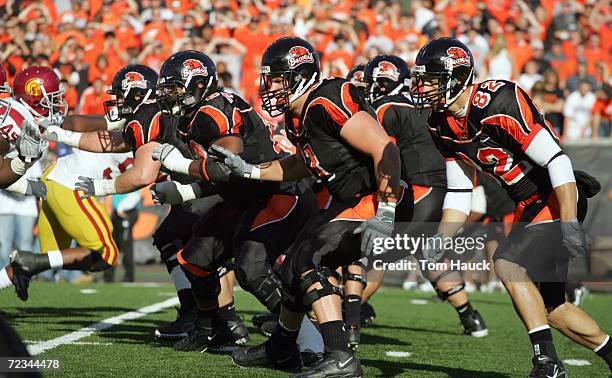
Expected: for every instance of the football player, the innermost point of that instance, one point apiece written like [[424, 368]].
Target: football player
[[355, 76], [340, 142], [265, 216], [37, 101], [387, 83], [136, 124], [494, 126]]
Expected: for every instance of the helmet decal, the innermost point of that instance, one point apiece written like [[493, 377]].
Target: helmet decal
[[458, 56], [34, 87], [133, 79], [193, 67], [299, 55], [386, 69]]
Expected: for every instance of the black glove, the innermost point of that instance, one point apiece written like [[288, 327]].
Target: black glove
[[575, 239]]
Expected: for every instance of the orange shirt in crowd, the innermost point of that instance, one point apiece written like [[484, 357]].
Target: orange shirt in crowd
[[72, 97], [93, 103]]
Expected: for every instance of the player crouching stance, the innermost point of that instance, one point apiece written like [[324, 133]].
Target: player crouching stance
[[494, 126]]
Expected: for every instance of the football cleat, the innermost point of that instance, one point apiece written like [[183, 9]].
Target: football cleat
[[474, 325], [239, 330], [354, 336], [205, 337], [546, 367], [259, 319], [268, 354], [25, 265], [367, 314], [334, 364], [179, 328]]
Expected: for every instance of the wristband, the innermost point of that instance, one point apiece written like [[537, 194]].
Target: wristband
[[254, 174], [104, 187]]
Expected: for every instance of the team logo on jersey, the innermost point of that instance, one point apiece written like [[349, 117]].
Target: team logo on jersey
[[458, 56], [299, 55], [193, 67], [133, 79], [386, 69], [34, 86]]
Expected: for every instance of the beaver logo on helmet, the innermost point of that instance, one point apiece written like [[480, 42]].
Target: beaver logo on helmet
[[299, 55], [133, 79], [193, 67], [386, 69], [33, 87], [458, 56]]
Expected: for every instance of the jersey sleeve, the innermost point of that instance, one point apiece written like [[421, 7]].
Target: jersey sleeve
[[212, 123], [342, 102], [389, 120], [515, 113], [143, 130]]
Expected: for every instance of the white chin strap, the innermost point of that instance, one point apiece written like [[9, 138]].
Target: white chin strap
[[450, 100], [304, 85], [146, 97]]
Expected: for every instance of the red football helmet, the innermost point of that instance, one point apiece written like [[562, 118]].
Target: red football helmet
[[40, 90], [4, 85]]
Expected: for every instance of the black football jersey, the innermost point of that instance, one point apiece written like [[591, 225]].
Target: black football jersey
[[500, 124], [222, 114], [346, 172], [422, 163]]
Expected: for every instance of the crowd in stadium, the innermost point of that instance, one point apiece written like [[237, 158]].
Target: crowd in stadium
[[557, 50]]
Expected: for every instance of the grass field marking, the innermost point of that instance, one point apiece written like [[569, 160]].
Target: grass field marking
[[104, 324]]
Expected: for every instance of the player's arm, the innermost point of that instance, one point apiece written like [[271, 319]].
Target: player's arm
[[93, 141], [364, 133], [458, 199], [85, 123], [7, 174]]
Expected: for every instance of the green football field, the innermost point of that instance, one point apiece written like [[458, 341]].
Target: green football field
[[427, 333]]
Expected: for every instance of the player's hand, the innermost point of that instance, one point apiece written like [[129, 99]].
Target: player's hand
[[433, 250], [377, 227], [28, 142], [91, 187], [575, 239], [171, 158], [236, 164], [57, 134], [36, 188], [171, 193]]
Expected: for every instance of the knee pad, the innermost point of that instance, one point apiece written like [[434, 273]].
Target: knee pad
[[98, 264], [445, 294], [553, 294], [318, 275], [268, 292], [167, 250]]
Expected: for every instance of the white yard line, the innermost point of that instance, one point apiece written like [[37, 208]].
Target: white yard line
[[104, 324]]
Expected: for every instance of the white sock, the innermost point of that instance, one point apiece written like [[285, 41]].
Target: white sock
[[309, 337], [55, 260], [5, 281], [179, 279], [540, 328], [594, 350]]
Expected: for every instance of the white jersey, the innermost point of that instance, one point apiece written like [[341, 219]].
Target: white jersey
[[12, 114], [89, 164]]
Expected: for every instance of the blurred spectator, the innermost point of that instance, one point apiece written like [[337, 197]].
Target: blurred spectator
[[92, 99], [379, 40], [602, 112], [125, 214], [498, 63], [573, 82], [578, 112], [478, 45], [531, 76], [552, 99]]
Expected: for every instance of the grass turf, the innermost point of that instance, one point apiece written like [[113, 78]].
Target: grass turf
[[430, 332]]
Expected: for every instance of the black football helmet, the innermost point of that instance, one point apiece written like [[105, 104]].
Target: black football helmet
[[386, 75], [185, 79], [296, 63], [355, 76], [132, 85], [443, 69]]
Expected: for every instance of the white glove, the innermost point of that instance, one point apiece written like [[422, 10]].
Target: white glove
[[174, 193], [57, 134], [91, 187], [28, 147], [114, 125], [171, 158]]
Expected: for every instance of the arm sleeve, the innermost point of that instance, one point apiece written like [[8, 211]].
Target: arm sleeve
[[459, 187], [211, 123]]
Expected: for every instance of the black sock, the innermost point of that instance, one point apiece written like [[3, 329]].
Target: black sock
[[605, 352], [228, 312], [186, 299], [542, 342], [334, 335], [465, 309], [352, 304], [284, 336]]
